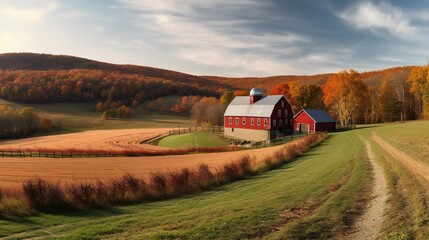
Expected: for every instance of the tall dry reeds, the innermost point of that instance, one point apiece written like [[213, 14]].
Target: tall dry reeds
[[46, 196]]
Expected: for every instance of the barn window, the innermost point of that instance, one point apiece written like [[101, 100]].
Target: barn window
[[244, 121], [281, 123], [252, 121], [280, 113], [236, 120], [274, 123], [283, 104], [259, 122], [285, 112], [230, 120], [265, 122]]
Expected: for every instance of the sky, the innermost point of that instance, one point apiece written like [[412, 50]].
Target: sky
[[224, 37]]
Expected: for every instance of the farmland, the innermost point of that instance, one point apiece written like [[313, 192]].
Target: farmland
[[258, 206], [319, 195]]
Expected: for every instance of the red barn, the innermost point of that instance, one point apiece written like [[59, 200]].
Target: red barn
[[257, 117], [311, 120]]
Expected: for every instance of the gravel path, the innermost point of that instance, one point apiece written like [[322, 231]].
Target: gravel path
[[368, 225]]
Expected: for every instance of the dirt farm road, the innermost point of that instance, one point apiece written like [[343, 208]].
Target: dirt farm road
[[370, 222]]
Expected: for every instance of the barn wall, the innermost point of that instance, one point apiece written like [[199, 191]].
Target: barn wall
[[325, 127], [248, 124], [247, 134], [303, 118], [287, 120]]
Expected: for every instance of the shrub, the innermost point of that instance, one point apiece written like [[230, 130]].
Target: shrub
[[45, 196]]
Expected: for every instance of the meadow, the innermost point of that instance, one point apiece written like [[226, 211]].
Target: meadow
[[77, 117], [190, 140]]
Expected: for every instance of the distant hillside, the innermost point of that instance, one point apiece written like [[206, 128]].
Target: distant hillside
[[372, 78], [215, 84], [34, 61]]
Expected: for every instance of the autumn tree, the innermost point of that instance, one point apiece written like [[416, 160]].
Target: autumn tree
[[419, 86], [227, 98], [306, 96], [346, 94], [281, 89], [390, 106]]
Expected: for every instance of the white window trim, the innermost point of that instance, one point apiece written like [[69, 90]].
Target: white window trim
[[237, 120], [258, 121], [252, 121], [265, 122], [243, 121], [230, 120], [279, 113], [274, 123]]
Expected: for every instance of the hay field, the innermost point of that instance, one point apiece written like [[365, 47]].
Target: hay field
[[13, 171], [111, 140]]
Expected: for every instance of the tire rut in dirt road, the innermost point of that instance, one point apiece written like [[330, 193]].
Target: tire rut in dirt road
[[369, 224]]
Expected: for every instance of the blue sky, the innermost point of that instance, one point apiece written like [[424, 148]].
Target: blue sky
[[223, 37]]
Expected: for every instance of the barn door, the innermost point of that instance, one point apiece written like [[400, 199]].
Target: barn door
[[304, 128]]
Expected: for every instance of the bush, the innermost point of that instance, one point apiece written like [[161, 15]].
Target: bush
[[44, 195]]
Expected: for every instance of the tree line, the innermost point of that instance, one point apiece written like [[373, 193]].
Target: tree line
[[20, 123], [109, 90], [402, 96]]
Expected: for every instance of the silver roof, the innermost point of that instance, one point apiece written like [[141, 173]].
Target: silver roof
[[241, 106], [317, 115], [256, 92]]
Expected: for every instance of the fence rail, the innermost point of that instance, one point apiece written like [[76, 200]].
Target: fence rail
[[278, 141], [62, 154], [185, 130]]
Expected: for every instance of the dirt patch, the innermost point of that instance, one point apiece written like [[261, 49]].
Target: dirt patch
[[368, 225]]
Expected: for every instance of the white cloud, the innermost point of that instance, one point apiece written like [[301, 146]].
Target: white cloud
[[74, 14], [33, 14], [382, 16], [199, 35]]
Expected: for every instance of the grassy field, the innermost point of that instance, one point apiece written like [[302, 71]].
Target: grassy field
[[72, 117], [408, 192], [315, 196], [191, 140]]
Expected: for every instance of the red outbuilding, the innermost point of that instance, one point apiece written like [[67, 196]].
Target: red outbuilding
[[312, 120], [257, 117]]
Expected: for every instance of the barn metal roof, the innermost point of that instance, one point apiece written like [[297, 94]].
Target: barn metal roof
[[241, 106], [317, 115]]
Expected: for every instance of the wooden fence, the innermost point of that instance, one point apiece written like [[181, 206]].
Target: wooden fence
[[185, 130], [278, 141], [63, 154]]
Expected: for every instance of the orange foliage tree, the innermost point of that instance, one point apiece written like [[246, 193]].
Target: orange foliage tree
[[346, 94], [419, 86]]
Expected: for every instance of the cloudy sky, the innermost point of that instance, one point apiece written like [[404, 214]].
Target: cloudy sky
[[224, 37]]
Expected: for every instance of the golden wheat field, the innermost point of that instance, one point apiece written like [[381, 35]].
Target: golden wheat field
[[13, 171], [110, 140]]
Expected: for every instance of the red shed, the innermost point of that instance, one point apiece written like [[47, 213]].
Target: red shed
[[257, 117], [312, 120]]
